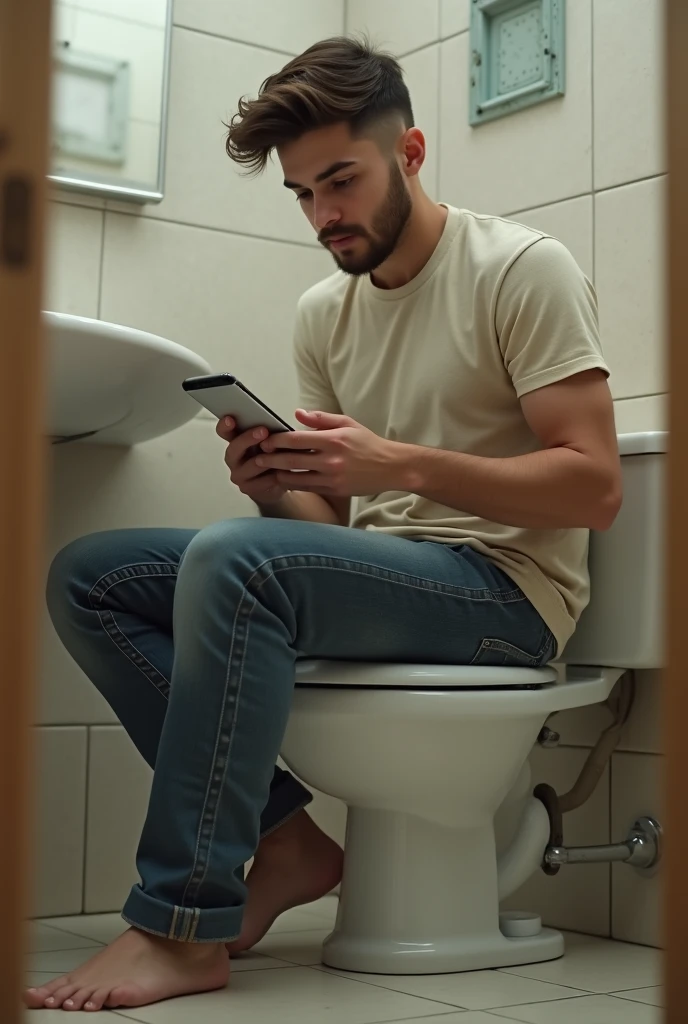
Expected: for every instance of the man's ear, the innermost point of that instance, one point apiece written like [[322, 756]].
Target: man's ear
[[413, 151]]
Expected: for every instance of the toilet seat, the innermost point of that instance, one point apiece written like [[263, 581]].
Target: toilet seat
[[375, 675]]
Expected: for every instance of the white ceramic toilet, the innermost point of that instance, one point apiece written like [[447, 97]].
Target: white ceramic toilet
[[430, 758]]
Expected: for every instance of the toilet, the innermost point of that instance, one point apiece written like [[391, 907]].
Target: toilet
[[432, 762]]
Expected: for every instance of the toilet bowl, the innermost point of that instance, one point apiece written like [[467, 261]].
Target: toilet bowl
[[427, 757]]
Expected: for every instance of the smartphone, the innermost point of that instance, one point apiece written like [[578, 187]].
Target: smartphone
[[223, 395]]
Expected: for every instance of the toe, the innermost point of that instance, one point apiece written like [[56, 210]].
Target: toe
[[76, 1001], [35, 997], [97, 1000], [56, 999]]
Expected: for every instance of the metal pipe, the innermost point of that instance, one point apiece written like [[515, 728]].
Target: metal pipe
[[642, 849]]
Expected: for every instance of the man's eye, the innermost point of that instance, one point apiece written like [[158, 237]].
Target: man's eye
[[342, 183], [302, 195]]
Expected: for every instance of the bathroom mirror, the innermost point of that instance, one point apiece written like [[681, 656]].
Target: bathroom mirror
[[109, 104]]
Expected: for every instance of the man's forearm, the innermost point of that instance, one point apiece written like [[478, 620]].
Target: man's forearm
[[557, 488], [310, 508]]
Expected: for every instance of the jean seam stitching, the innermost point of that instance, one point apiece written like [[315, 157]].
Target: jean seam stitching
[[204, 812], [368, 569], [125, 646]]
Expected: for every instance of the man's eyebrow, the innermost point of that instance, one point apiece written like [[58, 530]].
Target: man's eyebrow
[[324, 175]]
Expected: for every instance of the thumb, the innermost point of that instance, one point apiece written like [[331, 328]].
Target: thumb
[[322, 420]]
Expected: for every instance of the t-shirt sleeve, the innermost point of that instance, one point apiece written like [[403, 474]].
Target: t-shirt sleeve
[[315, 388], [546, 318]]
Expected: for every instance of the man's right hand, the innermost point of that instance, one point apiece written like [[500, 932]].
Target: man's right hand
[[258, 484]]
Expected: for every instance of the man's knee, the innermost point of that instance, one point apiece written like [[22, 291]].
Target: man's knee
[[232, 543]]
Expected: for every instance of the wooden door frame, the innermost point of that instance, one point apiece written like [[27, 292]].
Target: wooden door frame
[[25, 68], [676, 680]]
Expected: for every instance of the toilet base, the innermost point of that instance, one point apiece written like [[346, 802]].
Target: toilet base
[[422, 897], [463, 953]]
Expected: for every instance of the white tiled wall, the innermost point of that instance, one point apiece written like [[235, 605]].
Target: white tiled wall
[[587, 168]]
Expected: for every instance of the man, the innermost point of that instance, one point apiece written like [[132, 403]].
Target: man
[[453, 383]]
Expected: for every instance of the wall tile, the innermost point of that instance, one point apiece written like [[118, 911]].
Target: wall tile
[[525, 160], [630, 281], [118, 789], [646, 413], [230, 298], [271, 23], [421, 71], [73, 259], [455, 17], [577, 898], [178, 480], [202, 185], [60, 815], [636, 897], [397, 25], [628, 76], [571, 223]]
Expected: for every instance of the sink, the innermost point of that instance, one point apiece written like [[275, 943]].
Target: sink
[[113, 384]]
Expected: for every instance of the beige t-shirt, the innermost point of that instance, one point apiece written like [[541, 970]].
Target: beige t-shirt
[[498, 310]]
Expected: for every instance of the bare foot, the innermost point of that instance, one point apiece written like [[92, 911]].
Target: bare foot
[[294, 865], [135, 970]]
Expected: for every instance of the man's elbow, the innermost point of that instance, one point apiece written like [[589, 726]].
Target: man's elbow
[[607, 505]]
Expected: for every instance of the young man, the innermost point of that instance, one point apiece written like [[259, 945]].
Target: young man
[[453, 383]]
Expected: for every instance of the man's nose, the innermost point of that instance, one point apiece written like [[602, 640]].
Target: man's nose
[[325, 215]]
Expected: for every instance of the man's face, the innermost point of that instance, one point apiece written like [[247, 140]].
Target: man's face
[[353, 194]]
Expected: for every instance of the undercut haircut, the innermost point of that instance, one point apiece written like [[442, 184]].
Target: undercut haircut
[[337, 80]]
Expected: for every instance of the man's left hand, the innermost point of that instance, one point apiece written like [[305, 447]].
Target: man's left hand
[[342, 457]]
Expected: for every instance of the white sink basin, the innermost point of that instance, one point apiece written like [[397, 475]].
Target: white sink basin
[[114, 384]]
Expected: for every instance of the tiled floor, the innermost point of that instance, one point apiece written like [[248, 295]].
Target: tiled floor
[[597, 982]]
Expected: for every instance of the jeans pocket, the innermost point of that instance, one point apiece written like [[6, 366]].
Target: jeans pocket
[[499, 652]]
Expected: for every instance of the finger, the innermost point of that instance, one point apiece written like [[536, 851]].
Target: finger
[[298, 439], [226, 428], [322, 420], [287, 460], [241, 444], [248, 471], [310, 481]]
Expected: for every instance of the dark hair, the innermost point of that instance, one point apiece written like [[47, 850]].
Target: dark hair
[[338, 79]]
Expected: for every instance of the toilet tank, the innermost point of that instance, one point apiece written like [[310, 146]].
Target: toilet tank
[[623, 626]]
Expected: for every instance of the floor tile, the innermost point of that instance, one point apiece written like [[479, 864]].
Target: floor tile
[[591, 1009], [471, 990], [253, 961], [597, 965], [103, 928], [295, 995], [60, 960], [304, 948], [653, 996], [42, 938], [320, 914], [34, 979]]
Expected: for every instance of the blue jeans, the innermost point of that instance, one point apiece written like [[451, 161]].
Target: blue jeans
[[192, 638]]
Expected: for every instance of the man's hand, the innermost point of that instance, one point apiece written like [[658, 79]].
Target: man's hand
[[262, 487], [343, 458]]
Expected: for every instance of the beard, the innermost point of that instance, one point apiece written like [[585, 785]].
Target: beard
[[388, 225]]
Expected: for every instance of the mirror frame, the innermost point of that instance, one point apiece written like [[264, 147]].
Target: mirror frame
[[132, 192]]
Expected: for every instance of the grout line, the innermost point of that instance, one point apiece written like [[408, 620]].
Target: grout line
[[610, 872], [583, 195], [87, 790], [633, 181], [147, 219], [231, 39], [434, 42]]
